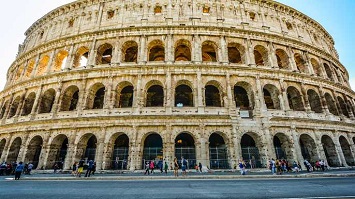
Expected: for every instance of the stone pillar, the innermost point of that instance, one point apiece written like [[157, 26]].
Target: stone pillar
[[23, 149], [223, 51], [142, 49], [250, 53], [168, 146], [309, 64], [109, 92], [51, 60], [231, 105], [82, 96], [36, 102], [43, 158], [272, 56], [292, 59], [92, 54], [297, 152], [70, 157], [7, 111], [100, 149], [323, 101], [117, 52], [56, 102], [135, 149], [35, 66], [200, 93], [267, 141], [170, 101], [21, 104], [307, 106], [319, 146], [70, 59], [138, 98], [169, 46], [259, 95], [6, 148], [196, 56], [237, 146]]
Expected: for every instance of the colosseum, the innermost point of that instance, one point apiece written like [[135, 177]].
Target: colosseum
[[122, 82]]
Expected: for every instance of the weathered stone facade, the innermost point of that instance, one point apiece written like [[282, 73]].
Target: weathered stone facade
[[121, 82]]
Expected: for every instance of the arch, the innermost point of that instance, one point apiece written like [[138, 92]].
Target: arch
[[316, 68], [282, 59], [243, 95], [14, 107], [183, 50], [130, 51], [29, 68], [300, 63], [261, 56], [19, 72], [70, 98], [28, 104], [209, 51], [236, 53], [283, 147], [2, 146], [185, 147], [125, 97], [212, 96], [183, 96], [3, 109], [86, 148], [156, 51], [250, 150], [294, 99], [120, 152], [345, 147], [331, 104], [314, 101], [104, 54], [34, 151], [96, 96], [42, 65], [60, 59], [218, 152], [308, 148], [330, 151], [328, 71], [47, 101], [271, 97], [58, 150], [152, 149], [14, 150], [81, 57], [155, 96], [343, 106]]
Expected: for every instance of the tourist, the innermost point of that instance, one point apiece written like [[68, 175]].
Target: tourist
[[183, 166], [80, 168], [29, 168], [200, 167], [147, 168], [176, 167], [89, 169], [166, 168], [152, 167], [18, 170]]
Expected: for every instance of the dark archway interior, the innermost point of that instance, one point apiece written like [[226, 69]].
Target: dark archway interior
[[218, 152], [183, 96], [126, 97], [212, 96], [241, 98], [155, 96], [99, 98], [91, 148]]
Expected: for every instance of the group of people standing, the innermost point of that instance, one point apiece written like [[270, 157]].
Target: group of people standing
[[78, 168], [175, 166]]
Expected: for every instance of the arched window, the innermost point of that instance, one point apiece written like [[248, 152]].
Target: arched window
[[314, 101], [29, 68], [47, 101], [183, 96], [183, 50], [156, 51], [126, 97], [130, 51], [104, 54], [209, 51], [300, 63], [343, 106], [282, 59], [14, 106], [241, 98], [328, 71], [81, 57], [212, 96], [42, 65], [261, 56], [331, 104], [96, 96], [294, 99], [28, 104], [60, 59], [271, 97], [70, 99], [155, 96], [315, 65], [236, 53]]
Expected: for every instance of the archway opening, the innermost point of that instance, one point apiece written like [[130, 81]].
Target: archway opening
[[314, 101], [212, 96], [47, 101], [130, 51], [271, 97], [28, 104], [250, 151], [58, 151], [120, 153], [14, 150], [331, 104], [209, 52], [279, 151], [2, 146], [218, 152], [241, 98], [345, 147], [126, 97], [330, 151], [34, 151], [155, 96], [282, 59], [183, 96], [182, 51], [343, 107], [153, 149], [185, 147], [308, 149], [294, 99], [70, 99], [14, 107]]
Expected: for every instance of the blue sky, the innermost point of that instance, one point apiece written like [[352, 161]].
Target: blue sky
[[336, 16]]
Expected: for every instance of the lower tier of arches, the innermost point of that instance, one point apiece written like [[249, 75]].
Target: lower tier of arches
[[221, 147]]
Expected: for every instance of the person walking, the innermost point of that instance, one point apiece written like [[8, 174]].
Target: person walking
[[166, 168], [80, 168], [200, 167], [242, 167], [147, 168], [74, 169], [152, 167], [273, 166], [183, 166], [18, 170], [90, 168], [176, 167], [29, 168]]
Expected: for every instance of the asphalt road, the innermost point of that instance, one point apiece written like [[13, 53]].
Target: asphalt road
[[181, 188]]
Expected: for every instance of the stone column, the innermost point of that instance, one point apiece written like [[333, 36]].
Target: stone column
[[170, 101], [23, 149], [319, 146], [100, 149], [168, 146], [259, 95], [56, 102], [138, 95], [36, 102], [117, 53], [284, 95], [223, 51], [135, 150], [297, 152], [43, 158], [21, 104], [6, 148], [109, 91], [70, 157], [308, 63], [250, 59], [272, 56], [292, 59], [51, 60], [196, 56], [307, 106], [82, 96], [323, 101], [169, 46], [7, 112], [200, 93], [35, 66], [68, 65], [142, 49], [236, 139], [92, 54]]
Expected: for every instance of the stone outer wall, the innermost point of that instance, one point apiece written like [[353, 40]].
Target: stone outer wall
[[325, 125]]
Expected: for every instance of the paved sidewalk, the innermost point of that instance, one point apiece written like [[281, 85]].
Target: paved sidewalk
[[192, 174]]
